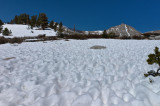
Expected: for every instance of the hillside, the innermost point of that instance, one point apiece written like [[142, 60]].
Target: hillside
[[24, 31]]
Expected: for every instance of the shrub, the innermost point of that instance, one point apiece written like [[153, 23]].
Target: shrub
[[16, 40], [79, 36], [75, 36], [1, 29], [154, 59], [3, 40], [50, 38], [94, 36], [112, 35], [6, 32], [104, 35], [61, 35], [41, 36], [124, 37], [136, 37]]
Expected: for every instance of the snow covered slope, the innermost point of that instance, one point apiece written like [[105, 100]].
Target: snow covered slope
[[24, 30], [69, 73], [124, 30]]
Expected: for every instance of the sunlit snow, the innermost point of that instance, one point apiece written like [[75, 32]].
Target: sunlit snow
[[69, 73]]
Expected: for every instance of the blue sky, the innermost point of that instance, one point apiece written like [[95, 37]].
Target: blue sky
[[144, 15]]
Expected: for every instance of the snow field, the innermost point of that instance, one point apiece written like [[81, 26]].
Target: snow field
[[61, 73], [24, 31]]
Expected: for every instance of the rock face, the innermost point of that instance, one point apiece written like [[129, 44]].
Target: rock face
[[124, 30]]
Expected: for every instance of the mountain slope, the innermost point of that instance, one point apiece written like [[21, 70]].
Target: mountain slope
[[124, 30], [24, 30], [152, 33]]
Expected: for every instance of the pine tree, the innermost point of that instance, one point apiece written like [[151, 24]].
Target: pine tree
[[16, 20], [11, 22], [55, 26], [33, 21], [104, 35], [60, 27], [74, 28], [51, 24], [24, 19], [6, 32], [43, 20], [1, 23], [60, 30], [38, 22], [154, 59], [1, 29], [21, 19]]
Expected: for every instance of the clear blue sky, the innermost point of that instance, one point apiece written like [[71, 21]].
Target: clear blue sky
[[144, 15]]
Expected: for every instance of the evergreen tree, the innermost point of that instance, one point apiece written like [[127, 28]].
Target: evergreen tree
[[104, 35], [38, 22], [51, 24], [55, 26], [74, 28], [60, 30], [33, 21], [6, 32], [11, 22], [154, 58], [1, 29], [43, 20], [21, 19], [1, 23], [16, 20], [24, 18]]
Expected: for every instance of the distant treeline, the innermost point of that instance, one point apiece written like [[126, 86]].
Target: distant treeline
[[40, 21]]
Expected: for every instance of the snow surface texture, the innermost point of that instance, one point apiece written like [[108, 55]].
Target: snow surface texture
[[24, 31], [61, 73]]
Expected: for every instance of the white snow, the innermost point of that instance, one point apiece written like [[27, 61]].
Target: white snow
[[127, 30], [99, 32], [61, 73], [24, 31]]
